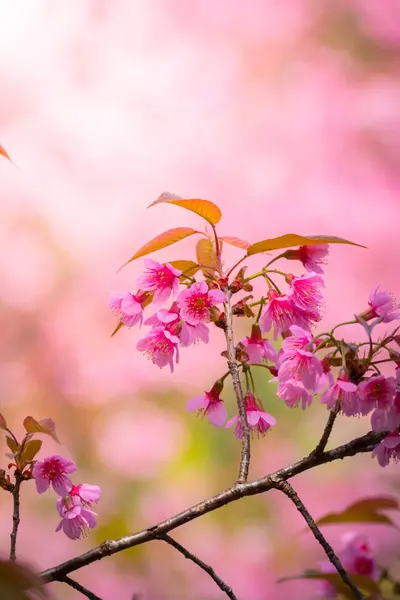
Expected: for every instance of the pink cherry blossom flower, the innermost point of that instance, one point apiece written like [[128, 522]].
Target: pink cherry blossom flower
[[388, 449], [382, 419], [298, 361], [196, 301], [53, 471], [281, 313], [382, 305], [160, 279], [76, 518], [376, 392], [305, 292], [259, 421], [86, 494], [292, 392], [345, 392], [312, 257], [191, 334], [257, 348], [163, 317], [128, 307], [210, 405], [160, 346], [357, 556]]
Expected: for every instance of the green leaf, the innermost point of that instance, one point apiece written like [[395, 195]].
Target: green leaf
[[12, 444], [292, 239], [46, 426], [234, 241], [188, 267], [361, 581], [363, 511], [3, 423], [206, 256], [171, 236], [204, 208], [19, 583], [118, 327], [31, 448]]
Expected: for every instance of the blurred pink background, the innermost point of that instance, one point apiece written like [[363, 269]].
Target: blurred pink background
[[284, 113]]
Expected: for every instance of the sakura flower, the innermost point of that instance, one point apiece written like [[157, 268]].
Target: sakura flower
[[160, 346], [298, 360], [76, 519], [85, 494], [344, 392], [382, 305], [257, 348], [312, 257], [196, 301], [357, 556], [53, 471], [163, 317], [258, 420], [292, 392], [388, 449], [128, 307], [160, 279], [209, 404], [305, 292], [376, 392], [280, 313], [191, 334]]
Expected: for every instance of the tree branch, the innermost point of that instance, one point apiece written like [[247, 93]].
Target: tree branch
[[79, 588], [364, 443], [16, 520], [237, 386], [327, 431], [207, 568], [287, 489]]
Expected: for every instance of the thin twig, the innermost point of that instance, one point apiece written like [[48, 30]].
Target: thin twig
[[207, 568], [327, 431], [16, 520], [79, 588], [237, 386], [362, 444], [287, 489]]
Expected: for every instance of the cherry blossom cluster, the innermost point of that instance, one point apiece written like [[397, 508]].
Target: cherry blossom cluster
[[74, 502]]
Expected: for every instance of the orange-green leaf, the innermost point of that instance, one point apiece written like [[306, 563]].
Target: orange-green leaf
[[188, 267], [3, 423], [206, 209], [361, 581], [292, 239], [206, 256], [19, 583], [4, 153], [12, 444], [31, 448], [234, 241], [162, 241], [363, 511], [46, 426], [118, 327]]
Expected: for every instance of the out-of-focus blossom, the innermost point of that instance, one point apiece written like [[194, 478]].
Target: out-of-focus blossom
[[160, 279], [376, 392], [298, 361], [305, 292], [325, 588], [292, 392], [128, 307], [382, 305], [345, 392], [257, 348], [280, 313], [210, 405], [53, 471], [357, 556], [160, 346], [312, 257], [76, 518], [259, 421], [196, 301], [190, 334], [388, 449]]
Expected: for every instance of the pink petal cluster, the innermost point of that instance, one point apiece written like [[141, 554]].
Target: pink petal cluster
[[53, 471], [259, 421], [388, 449], [196, 301], [160, 346], [281, 312], [345, 393], [306, 294], [313, 257], [128, 307], [209, 404], [377, 392], [160, 279], [383, 306], [257, 348]]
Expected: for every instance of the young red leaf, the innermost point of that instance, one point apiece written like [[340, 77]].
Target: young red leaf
[[46, 426], [162, 241], [12, 444], [204, 208], [206, 256], [363, 511], [31, 448], [234, 241], [292, 239], [3, 423]]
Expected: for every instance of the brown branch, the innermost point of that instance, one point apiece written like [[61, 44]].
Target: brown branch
[[364, 443], [79, 588], [207, 568], [237, 386], [16, 520], [327, 431], [287, 489]]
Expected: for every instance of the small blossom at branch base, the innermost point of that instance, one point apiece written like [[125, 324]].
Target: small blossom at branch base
[[209, 405], [128, 307], [259, 421], [305, 292], [344, 392], [387, 450], [313, 257], [257, 348], [383, 305], [195, 302], [160, 346], [376, 392], [293, 392], [53, 471], [160, 279], [77, 520]]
